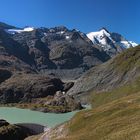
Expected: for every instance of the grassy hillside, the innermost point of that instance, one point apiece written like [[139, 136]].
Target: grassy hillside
[[127, 60], [115, 117], [117, 93]]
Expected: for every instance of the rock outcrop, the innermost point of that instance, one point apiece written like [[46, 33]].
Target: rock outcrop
[[60, 103], [12, 132]]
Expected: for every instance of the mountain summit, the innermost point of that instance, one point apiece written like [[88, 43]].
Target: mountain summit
[[112, 43]]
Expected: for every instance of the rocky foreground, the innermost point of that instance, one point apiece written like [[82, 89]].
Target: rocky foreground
[[12, 132]]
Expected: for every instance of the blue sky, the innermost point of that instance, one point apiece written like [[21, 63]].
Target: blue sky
[[121, 16]]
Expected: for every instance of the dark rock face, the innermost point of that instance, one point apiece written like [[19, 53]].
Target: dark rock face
[[4, 75], [12, 56], [13, 48], [3, 123], [117, 37], [74, 51], [12, 132], [24, 87]]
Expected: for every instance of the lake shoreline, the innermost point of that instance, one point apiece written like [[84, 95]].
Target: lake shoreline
[[17, 115]]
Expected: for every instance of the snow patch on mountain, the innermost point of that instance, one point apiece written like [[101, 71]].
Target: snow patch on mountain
[[67, 37], [13, 31], [133, 43]]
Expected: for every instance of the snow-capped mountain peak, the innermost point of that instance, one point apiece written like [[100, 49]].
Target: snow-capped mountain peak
[[110, 41], [100, 36]]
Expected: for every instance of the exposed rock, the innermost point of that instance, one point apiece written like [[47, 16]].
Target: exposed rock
[[12, 132], [4, 75], [24, 87], [60, 103], [121, 70], [38, 92], [3, 123]]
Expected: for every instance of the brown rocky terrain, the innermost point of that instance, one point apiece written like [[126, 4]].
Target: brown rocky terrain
[[36, 91]]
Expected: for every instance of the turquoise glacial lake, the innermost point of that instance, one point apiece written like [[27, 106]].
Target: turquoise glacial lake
[[15, 115]]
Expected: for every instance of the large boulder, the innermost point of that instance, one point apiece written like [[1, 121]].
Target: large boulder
[[12, 132]]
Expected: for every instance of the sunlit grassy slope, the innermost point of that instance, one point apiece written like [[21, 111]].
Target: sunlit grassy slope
[[114, 117], [117, 93], [127, 60]]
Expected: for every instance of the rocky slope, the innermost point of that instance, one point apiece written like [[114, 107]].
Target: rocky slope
[[55, 48], [122, 69], [12, 55]]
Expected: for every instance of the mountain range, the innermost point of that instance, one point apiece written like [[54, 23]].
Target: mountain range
[[65, 53], [58, 70]]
